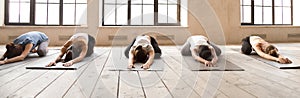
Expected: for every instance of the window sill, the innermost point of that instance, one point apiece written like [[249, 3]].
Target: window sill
[[143, 26], [269, 26], [11, 26]]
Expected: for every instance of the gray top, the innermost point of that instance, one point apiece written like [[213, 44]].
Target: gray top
[[34, 37]]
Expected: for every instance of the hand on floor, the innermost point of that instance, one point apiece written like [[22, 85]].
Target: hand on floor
[[51, 64], [67, 64], [2, 62], [145, 66], [208, 64], [284, 60], [130, 66]]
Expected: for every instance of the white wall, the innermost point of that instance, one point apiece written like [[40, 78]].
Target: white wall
[[1, 12]]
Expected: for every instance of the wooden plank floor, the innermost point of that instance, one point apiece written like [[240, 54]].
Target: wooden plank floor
[[94, 78]]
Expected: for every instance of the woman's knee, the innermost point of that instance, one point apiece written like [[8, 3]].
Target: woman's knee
[[42, 53]]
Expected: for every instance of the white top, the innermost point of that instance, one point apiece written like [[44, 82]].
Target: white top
[[197, 40], [256, 40], [80, 36], [143, 41]]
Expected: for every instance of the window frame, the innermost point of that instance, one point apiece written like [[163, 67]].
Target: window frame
[[273, 14], [156, 23], [32, 15]]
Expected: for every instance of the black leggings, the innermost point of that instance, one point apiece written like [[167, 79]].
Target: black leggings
[[246, 46]]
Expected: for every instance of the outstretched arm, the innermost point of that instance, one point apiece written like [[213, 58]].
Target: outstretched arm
[[150, 60], [4, 56], [214, 54], [259, 51], [20, 57], [131, 58], [63, 50]]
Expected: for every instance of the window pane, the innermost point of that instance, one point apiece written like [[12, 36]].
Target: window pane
[[162, 1], [41, 14], [172, 1], [136, 1], [267, 15], [109, 15], [162, 14], [247, 14], [278, 2], [148, 15], [53, 1], [109, 1], [41, 1], [122, 1], [69, 14], [247, 2], [172, 14], [148, 1], [258, 2], [84, 1], [258, 15], [25, 13], [69, 1], [267, 2], [122, 14], [24, 1], [286, 2], [14, 12], [278, 15], [136, 15], [81, 14], [287, 15], [53, 14]]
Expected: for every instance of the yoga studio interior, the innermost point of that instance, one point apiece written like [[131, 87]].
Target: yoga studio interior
[[150, 48]]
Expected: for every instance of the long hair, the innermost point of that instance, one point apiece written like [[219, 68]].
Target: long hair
[[272, 50], [13, 50], [204, 52], [140, 55]]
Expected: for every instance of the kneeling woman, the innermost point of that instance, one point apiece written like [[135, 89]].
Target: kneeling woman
[[263, 49], [143, 49], [201, 49], [23, 45], [80, 45]]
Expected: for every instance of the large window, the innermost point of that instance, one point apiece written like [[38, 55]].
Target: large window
[[45, 12], [266, 12], [141, 12]]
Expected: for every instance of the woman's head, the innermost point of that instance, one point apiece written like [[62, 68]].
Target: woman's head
[[140, 55], [204, 52], [272, 50], [13, 50]]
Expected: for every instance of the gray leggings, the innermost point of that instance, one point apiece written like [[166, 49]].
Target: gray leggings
[[43, 48], [186, 51]]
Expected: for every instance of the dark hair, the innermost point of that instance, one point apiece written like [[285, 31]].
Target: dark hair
[[246, 46], [140, 55], [272, 50], [72, 52], [69, 55], [13, 50], [204, 52]]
